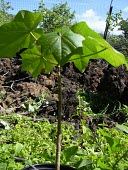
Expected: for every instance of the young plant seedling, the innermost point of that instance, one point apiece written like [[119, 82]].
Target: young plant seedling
[[77, 44]]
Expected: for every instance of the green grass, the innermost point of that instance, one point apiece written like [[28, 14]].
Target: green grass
[[104, 149]]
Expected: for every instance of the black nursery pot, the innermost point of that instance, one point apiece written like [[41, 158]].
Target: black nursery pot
[[48, 167]]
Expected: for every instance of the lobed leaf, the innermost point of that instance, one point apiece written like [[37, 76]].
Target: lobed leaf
[[101, 49], [80, 61], [20, 33], [34, 61], [95, 47], [30, 19], [61, 44], [83, 29]]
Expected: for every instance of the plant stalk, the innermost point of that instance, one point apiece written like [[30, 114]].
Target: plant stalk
[[33, 36], [58, 148], [108, 22]]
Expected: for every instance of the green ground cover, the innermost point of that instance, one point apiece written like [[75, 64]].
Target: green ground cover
[[35, 141]]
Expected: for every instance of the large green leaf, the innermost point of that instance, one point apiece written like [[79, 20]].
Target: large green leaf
[[101, 49], [20, 33], [61, 44], [34, 61], [79, 59], [30, 19], [83, 55], [83, 29], [95, 47]]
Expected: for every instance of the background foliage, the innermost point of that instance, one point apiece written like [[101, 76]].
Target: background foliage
[[58, 16], [23, 143], [4, 15]]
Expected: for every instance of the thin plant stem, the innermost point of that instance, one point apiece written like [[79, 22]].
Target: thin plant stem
[[22, 159], [33, 36], [58, 148]]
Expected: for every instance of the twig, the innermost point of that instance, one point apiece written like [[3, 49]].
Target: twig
[[5, 73], [22, 159], [13, 81], [19, 79], [16, 100], [12, 87]]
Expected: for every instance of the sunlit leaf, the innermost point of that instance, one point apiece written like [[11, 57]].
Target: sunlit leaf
[[104, 133], [80, 61], [103, 165], [84, 163], [18, 148], [101, 49], [83, 29], [30, 19], [122, 128], [19, 33], [34, 61], [95, 47], [61, 44]]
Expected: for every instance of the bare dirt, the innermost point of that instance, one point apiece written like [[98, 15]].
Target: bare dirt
[[102, 85]]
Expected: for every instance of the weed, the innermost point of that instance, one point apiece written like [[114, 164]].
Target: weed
[[29, 142], [33, 105]]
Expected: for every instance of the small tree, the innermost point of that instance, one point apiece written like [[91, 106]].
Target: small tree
[[120, 42], [76, 44], [124, 27], [4, 15], [57, 17]]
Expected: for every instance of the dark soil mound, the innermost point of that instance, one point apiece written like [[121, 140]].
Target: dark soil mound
[[102, 84]]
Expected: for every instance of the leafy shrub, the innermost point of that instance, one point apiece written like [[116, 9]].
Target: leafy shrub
[[34, 142]]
